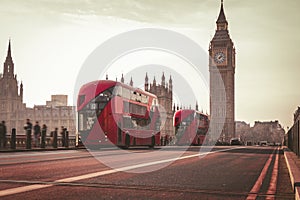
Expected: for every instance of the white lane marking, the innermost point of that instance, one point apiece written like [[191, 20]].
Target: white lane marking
[[22, 189], [20, 159], [102, 173]]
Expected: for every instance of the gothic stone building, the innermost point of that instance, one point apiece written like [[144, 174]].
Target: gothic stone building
[[14, 112], [11, 97], [222, 70], [164, 93]]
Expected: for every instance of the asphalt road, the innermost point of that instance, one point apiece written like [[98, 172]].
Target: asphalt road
[[141, 173]]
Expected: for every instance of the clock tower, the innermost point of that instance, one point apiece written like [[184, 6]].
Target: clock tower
[[222, 70]]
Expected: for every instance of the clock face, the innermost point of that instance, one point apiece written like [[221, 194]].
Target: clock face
[[219, 57]]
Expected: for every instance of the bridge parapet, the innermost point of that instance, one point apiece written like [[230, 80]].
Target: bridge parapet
[[20, 141]]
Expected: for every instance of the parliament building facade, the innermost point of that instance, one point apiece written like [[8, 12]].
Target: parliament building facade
[[13, 110]]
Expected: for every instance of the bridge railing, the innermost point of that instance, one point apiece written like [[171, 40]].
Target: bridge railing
[[13, 141], [293, 139]]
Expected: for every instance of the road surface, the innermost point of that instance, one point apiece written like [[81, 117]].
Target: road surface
[[233, 172]]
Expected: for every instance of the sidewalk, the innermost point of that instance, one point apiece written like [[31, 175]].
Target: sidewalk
[[293, 164]]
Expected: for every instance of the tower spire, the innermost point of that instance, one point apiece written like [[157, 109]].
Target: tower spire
[[8, 70], [9, 49], [221, 21]]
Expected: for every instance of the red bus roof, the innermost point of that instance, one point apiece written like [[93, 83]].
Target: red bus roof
[[92, 89], [185, 112]]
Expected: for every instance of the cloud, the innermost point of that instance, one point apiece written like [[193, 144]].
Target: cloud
[[150, 11]]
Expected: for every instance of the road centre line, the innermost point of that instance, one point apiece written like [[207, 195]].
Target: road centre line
[[274, 178], [102, 173]]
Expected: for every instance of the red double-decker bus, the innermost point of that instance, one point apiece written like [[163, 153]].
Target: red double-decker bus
[[191, 127], [111, 113]]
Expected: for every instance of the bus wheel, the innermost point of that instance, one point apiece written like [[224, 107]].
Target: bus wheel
[[127, 140], [152, 141]]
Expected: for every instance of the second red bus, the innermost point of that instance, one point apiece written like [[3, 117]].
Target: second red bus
[[191, 127]]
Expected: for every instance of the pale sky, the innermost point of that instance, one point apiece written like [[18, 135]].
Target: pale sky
[[52, 38]]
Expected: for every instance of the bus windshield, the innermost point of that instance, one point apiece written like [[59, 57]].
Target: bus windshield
[[88, 116], [187, 120]]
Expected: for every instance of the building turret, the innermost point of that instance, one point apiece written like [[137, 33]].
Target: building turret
[[131, 82], [122, 78], [146, 83], [154, 81], [21, 91], [170, 84], [163, 80]]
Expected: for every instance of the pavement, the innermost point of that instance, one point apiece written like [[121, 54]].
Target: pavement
[[293, 164]]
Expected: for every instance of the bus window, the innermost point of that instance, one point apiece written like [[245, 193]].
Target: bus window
[[118, 91], [157, 124], [125, 107], [81, 99], [137, 109], [93, 106], [138, 97], [106, 93], [87, 119], [144, 99], [126, 93], [80, 122], [154, 102], [133, 95], [141, 124], [127, 123], [186, 121]]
